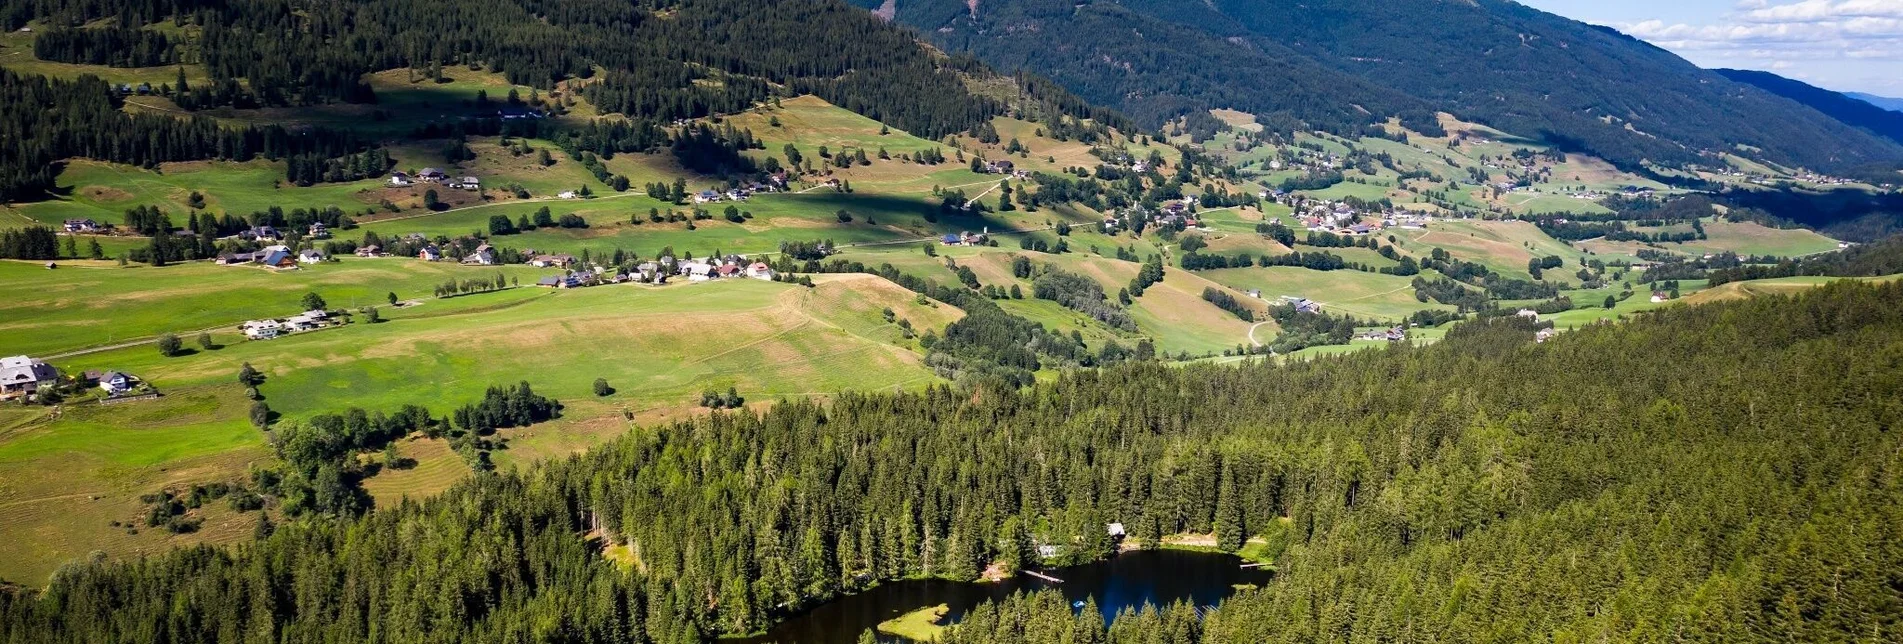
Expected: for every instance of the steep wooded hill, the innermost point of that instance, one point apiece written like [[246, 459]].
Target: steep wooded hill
[[1851, 111], [1585, 88]]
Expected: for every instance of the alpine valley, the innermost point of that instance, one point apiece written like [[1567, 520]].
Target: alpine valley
[[935, 320]]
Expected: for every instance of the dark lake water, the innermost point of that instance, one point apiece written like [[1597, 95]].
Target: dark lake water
[[1129, 580]]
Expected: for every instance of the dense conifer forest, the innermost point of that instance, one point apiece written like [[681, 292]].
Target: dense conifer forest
[[1727, 472], [44, 121]]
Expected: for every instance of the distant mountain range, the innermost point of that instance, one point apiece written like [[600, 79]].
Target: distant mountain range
[[1341, 64], [1842, 107], [1885, 102]]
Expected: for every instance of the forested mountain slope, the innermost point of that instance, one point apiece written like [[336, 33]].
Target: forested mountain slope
[[1156, 70], [654, 62], [1728, 472], [1494, 61], [1838, 106]]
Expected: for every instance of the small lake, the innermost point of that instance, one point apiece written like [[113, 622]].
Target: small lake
[[1129, 580]]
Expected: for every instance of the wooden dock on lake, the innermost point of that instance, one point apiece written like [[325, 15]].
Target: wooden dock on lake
[[1043, 576], [1254, 565]]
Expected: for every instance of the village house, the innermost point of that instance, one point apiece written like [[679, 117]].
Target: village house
[[115, 383], [81, 225], [401, 179], [319, 231], [429, 254], [1000, 167], [1545, 334], [310, 256], [372, 250], [306, 321], [706, 196], [484, 255], [279, 257], [21, 376], [1529, 314], [432, 175], [697, 271], [260, 234], [567, 194], [466, 183], [261, 329], [760, 271], [1661, 296], [1302, 304]]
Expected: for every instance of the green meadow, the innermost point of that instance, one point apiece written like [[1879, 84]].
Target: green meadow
[[90, 304], [659, 347]]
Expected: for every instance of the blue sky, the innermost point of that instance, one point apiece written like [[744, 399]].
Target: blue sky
[[1845, 45]]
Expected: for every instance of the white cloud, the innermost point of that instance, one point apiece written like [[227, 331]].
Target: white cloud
[[1831, 41]]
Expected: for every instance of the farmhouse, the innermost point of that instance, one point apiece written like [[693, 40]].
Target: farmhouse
[[319, 231], [277, 257], [1302, 304], [261, 329], [261, 234], [552, 261], [760, 271], [370, 251], [115, 383], [401, 179], [307, 321], [81, 225], [21, 376], [483, 256], [310, 256], [466, 183], [429, 254], [1529, 314], [706, 196], [432, 175], [234, 259], [697, 271]]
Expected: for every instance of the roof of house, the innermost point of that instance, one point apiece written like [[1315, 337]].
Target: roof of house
[[19, 369]]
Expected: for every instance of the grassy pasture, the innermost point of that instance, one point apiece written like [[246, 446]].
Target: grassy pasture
[[1363, 295], [16, 53], [1747, 238], [88, 304], [1504, 246], [659, 347]]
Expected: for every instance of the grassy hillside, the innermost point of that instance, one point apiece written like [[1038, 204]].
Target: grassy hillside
[[668, 344]]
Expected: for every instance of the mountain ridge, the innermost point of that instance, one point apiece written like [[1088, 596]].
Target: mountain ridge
[[1584, 88], [1850, 111]]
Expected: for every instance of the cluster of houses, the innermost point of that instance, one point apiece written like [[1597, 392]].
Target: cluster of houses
[[966, 238], [1005, 166], [271, 328], [1301, 304], [81, 226], [436, 176], [743, 193], [278, 257], [1391, 334], [23, 377], [658, 272]]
